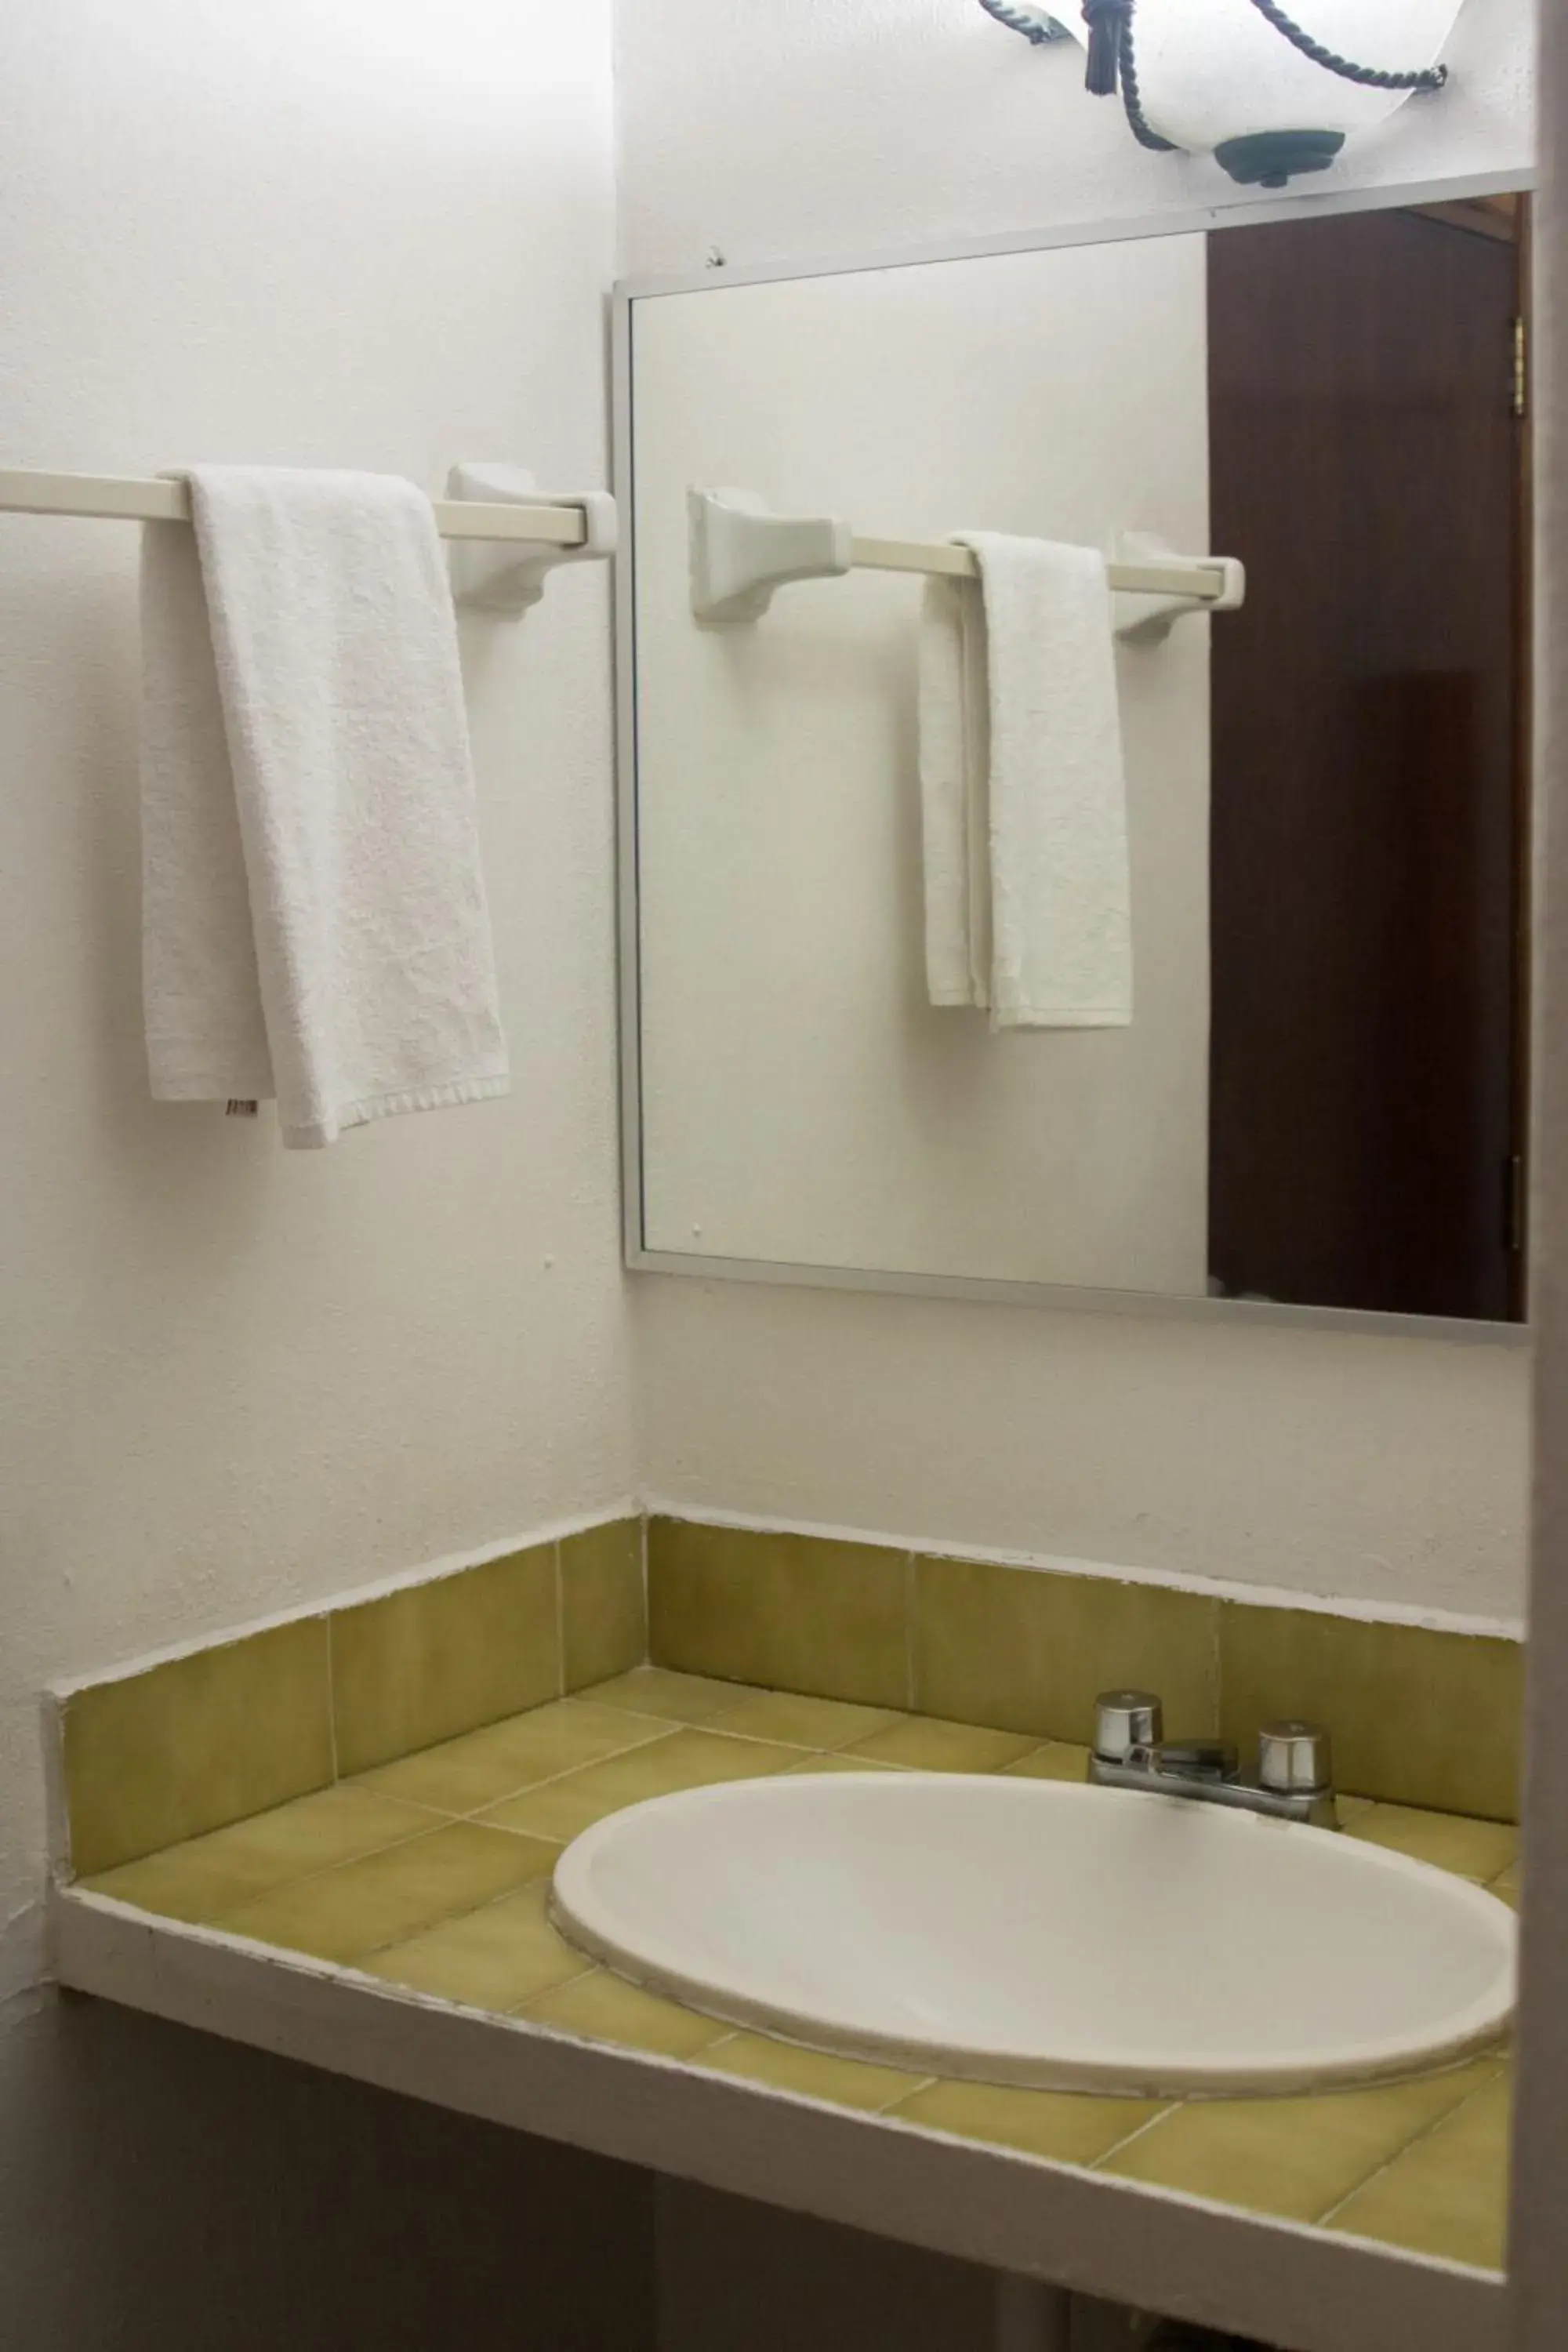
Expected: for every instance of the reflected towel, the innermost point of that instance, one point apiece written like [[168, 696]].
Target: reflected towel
[[1023, 795], [314, 923]]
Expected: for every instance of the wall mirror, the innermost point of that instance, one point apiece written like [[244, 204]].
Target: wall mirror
[[1320, 1099]]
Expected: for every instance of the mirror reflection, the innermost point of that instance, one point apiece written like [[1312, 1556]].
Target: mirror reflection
[[1025, 893]]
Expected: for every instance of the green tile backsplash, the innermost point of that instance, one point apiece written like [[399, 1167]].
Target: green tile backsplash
[[797, 1613], [431, 1660], [151, 1758], [1029, 1652], [1420, 1717]]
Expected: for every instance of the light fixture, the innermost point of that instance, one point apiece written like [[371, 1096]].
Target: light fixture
[[1241, 79]]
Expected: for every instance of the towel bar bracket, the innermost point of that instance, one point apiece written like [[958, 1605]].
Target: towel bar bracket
[[510, 577], [1144, 619]]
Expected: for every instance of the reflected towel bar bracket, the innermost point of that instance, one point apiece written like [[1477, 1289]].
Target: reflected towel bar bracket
[[534, 531], [742, 551]]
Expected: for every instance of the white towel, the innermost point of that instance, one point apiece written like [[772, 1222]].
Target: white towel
[[1022, 797], [313, 914]]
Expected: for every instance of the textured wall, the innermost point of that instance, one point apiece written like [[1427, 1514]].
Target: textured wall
[[1386, 1470], [338, 232], [359, 232]]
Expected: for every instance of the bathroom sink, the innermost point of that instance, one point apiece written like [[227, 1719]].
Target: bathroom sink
[[1042, 1932]]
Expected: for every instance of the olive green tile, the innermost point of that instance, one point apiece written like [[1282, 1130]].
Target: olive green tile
[[796, 1613], [155, 1758], [681, 1698], [605, 2008], [1293, 2158], [603, 1621], [1059, 1759], [435, 1659], [687, 1759], [385, 1898], [839, 1763], [1448, 2194], [496, 1957], [812, 2073], [1471, 1849], [462, 1775], [1029, 1649], [1417, 1718], [820, 1722], [1065, 2125], [210, 1875], [921, 1744]]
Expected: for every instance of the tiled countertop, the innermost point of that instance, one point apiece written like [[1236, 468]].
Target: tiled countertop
[[432, 1872]]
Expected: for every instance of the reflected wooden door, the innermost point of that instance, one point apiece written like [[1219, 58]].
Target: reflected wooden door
[[1366, 1096]]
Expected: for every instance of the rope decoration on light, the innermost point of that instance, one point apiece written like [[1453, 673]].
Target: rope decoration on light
[[1033, 25], [1369, 77]]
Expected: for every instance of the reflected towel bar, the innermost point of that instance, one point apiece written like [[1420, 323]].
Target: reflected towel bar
[[742, 551]]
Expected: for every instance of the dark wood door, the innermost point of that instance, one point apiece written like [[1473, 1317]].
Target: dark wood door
[[1366, 466]]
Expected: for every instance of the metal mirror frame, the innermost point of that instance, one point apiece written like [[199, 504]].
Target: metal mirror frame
[[983, 1290]]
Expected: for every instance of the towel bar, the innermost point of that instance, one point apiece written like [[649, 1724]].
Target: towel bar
[[119, 499]]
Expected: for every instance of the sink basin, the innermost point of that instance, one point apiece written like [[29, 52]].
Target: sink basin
[[1043, 1932]]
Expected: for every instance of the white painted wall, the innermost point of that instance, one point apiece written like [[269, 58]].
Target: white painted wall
[[803, 1101], [1385, 1470], [371, 233]]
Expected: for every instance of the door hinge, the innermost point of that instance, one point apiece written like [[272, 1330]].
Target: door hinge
[[1519, 395], [1514, 1203]]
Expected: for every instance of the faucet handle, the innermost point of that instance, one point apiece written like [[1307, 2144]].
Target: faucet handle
[[1295, 1760], [1126, 1721]]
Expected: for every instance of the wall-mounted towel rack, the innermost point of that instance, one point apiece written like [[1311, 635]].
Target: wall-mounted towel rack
[[742, 551], [116, 498], [541, 531]]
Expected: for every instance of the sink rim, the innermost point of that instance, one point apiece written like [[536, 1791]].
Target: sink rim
[[1276, 2071]]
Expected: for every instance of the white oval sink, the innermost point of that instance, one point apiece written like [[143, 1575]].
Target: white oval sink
[[1043, 1932]]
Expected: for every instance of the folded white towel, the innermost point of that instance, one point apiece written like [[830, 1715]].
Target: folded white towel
[[1022, 798], [313, 914]]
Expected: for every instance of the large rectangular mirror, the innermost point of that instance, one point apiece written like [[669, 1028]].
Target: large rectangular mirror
[[1315, 1095]]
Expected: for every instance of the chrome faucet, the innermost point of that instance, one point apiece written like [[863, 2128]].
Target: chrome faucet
[[1295, 1773]]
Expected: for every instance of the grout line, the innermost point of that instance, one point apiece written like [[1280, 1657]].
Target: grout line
[[926, 2083], [1416, 2141], [527, 1788], [331, 1703], [1174, 2107], [911, 1685], [560, 1621], [450, 1918]]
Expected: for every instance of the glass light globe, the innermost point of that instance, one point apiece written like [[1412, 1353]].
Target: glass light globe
[[1216, 75]]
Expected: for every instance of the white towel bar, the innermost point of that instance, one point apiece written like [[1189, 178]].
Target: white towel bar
[[119, 499]]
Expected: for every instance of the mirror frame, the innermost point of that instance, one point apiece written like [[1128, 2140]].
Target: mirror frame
[[977, 1289]]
